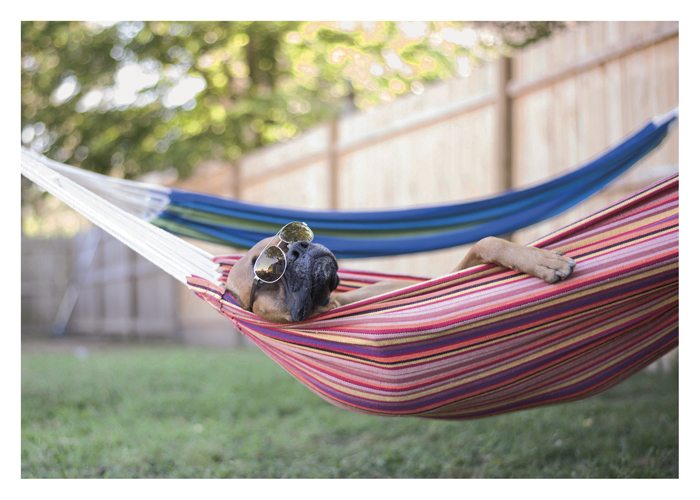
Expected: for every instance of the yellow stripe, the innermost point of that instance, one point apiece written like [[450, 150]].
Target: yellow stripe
[[463, 350], [515, 277], [488, 373], [618, 230], [282, 346], [500, 317], [457, 406], [614, 208]]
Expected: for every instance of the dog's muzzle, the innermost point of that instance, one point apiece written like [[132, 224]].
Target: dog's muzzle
[[311, 276]]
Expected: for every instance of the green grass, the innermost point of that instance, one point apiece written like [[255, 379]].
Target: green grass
[[179, 412]]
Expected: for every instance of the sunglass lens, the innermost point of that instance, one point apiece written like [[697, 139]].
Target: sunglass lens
[[270, 264], [296, 231]]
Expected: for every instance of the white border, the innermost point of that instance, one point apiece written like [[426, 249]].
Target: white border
[[13, 12]]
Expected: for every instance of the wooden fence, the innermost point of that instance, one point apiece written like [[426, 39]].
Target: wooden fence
[[510, 123], [93, 285]]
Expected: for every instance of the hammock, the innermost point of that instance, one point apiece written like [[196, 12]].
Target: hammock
[[479, 342], [485, 340], [374, 233]]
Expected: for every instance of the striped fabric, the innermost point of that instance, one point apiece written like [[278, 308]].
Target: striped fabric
[[486, 340], [375, 233]]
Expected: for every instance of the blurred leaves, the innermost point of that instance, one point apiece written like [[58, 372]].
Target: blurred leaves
[[127, 98], [114, 97]]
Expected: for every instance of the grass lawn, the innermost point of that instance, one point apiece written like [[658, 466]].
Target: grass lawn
[[183, 412]]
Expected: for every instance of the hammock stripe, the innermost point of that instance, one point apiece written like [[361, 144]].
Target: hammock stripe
[[486, 340], [361, 234]]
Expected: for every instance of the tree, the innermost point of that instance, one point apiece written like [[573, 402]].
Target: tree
[[131, 97]]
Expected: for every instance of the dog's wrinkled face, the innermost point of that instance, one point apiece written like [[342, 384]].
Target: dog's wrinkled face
[[303, 290]]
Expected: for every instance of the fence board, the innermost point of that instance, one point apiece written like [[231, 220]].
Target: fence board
[[121, 294], [573, 95], [303, 187]]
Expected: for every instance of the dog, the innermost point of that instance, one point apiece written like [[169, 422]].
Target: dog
[[305, 287]]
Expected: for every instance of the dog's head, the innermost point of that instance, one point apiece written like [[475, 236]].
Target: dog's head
[[304, 289]]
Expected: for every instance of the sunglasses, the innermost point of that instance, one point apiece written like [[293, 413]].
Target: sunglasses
[[272, 262]]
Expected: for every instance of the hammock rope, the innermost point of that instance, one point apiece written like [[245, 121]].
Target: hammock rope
[[485, 341], [172, 254], [351, 234]]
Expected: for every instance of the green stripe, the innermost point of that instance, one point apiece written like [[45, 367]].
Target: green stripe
[[188, 232], [264, 227]]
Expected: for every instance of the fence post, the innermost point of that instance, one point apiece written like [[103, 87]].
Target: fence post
[[504, 123], [333, 163], [237, 188]]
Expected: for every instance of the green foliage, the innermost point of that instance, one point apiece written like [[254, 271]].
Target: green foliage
[[177, 412], [128, 98], [106, 97]]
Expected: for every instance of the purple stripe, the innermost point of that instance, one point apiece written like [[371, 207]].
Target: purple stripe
[[467, 333], [474, 333], [578, 391], [479, 385]]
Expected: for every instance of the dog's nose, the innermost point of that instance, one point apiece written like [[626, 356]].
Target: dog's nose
[[297, 249]]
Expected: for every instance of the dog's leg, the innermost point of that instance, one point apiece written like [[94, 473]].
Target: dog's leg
[[341, 299], [545, 264]]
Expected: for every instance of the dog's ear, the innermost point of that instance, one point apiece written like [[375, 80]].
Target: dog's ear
[[240, 277]]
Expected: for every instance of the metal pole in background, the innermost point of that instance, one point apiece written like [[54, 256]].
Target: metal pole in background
[[80, 273]]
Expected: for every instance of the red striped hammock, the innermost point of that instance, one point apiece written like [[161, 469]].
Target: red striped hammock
[[486, 340]]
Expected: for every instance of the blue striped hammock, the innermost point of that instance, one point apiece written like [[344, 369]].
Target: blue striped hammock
[[360, 234]]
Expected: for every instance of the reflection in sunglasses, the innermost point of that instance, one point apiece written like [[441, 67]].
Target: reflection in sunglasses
[[270, 265], [272, 262]]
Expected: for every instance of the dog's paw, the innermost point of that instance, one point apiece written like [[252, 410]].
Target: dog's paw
[[552, 266], [332, 304]]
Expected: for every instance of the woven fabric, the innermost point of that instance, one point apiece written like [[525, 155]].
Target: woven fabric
[[486, 340]]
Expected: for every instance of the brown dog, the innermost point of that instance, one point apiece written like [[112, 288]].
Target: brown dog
[[307, 283]]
